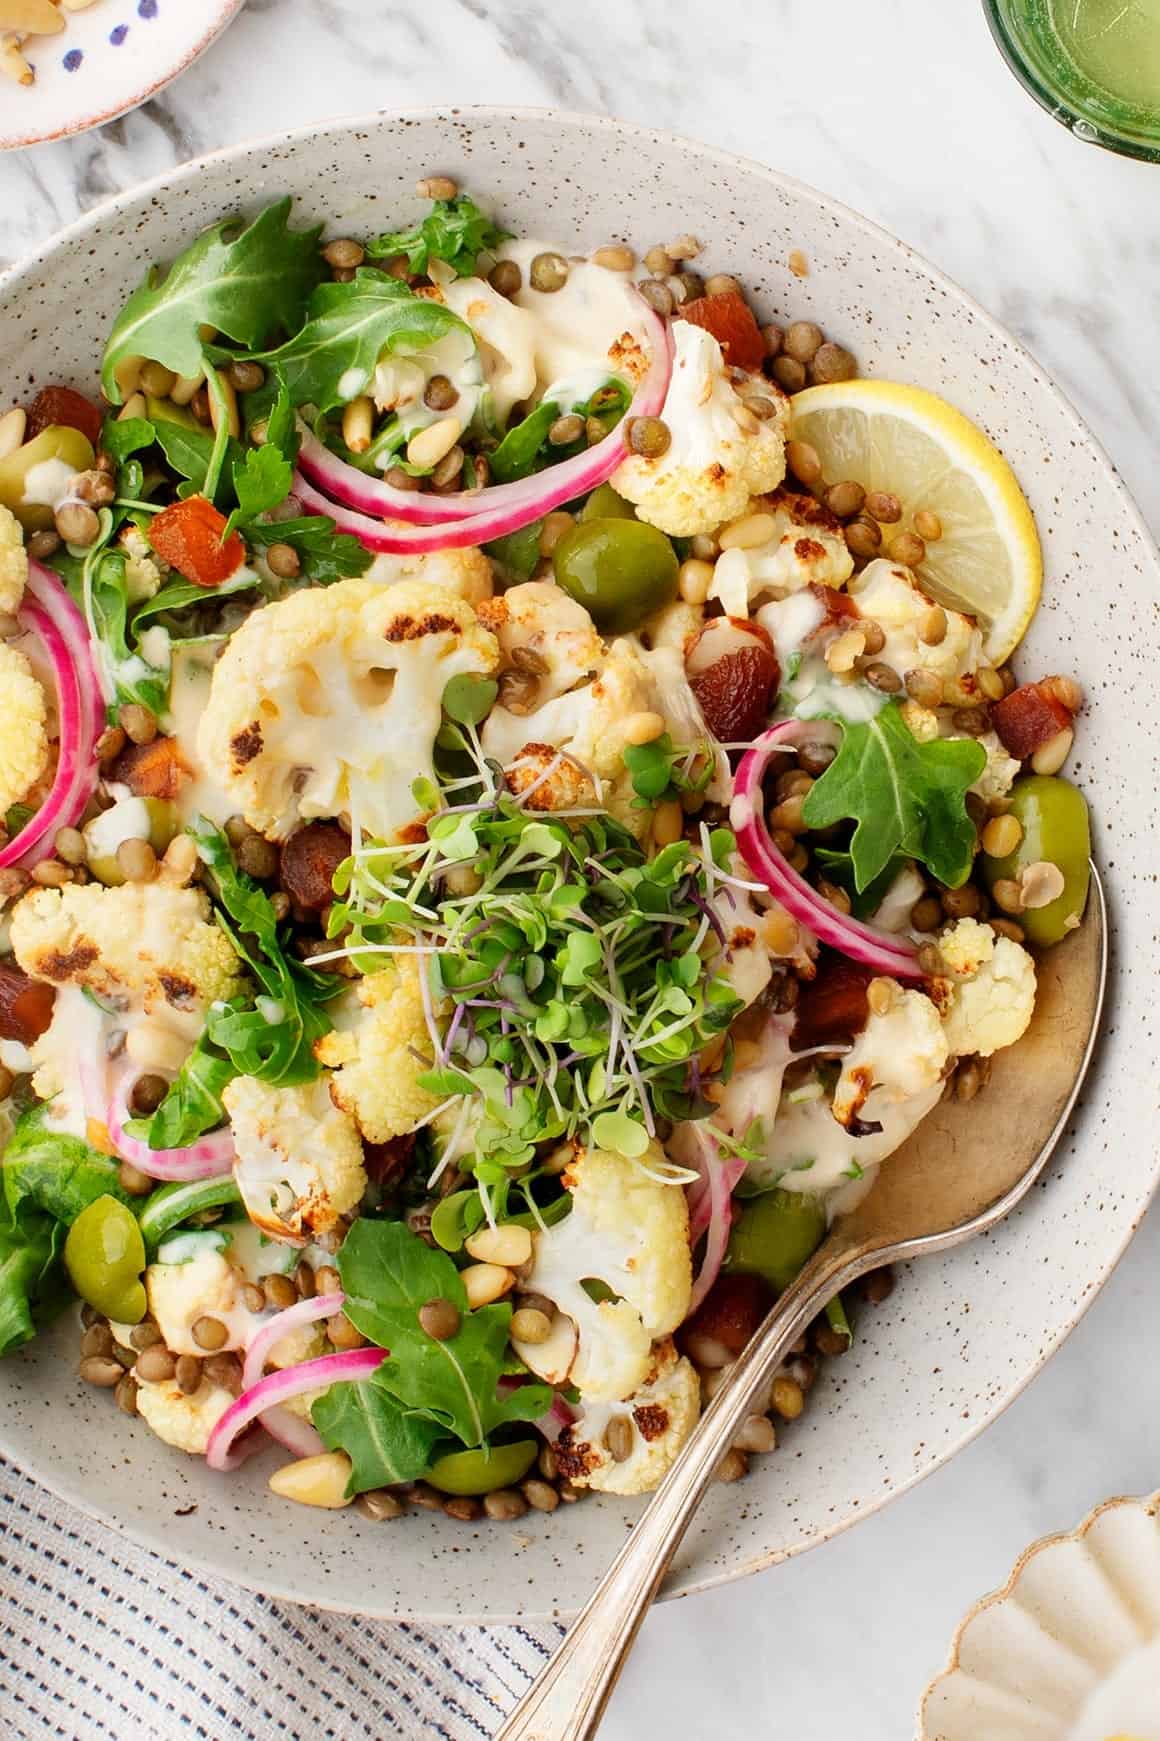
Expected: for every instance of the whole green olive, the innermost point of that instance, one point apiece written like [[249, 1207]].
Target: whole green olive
[[58, 442], [775, 1235], [605, 504], [621, 571], [1054, 817], [153, 819], [104, 1255], [492, 1466]]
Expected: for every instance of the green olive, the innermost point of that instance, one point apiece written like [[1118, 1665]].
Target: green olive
[[1054, 818], [165, 411], [605, 504], [620, 570], [152, 819], [484, 1470], [58, 441], [104, 1255], [775, 1235]]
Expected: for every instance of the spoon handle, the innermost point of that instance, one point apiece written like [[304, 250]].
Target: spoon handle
[[567, 1700]]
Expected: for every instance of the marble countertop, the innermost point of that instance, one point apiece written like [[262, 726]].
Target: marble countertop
[[905, 111]]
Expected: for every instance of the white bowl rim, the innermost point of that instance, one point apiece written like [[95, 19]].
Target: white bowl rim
[[483, 113]]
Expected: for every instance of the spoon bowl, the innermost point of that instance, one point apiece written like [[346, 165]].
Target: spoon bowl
[[958, 1175]]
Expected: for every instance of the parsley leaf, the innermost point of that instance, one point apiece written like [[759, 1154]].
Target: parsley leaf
[[246, 281], [455, 231], [385, 1442], [261, 481], [325, 553], [387, 1274], [332, 358], [906, 797]]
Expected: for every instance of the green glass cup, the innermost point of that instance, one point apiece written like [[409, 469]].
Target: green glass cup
[[1093, 64]]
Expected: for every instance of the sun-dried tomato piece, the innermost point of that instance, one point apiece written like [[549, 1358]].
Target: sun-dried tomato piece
[[832, 1007], [25, 1006], [734, 673], [189, 536], [309, 860], [731, 1311], [153, 770], [1028, 718], [54, 406], [732, 323]]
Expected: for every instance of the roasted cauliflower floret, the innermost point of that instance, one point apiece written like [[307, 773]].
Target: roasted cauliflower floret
[[675, 625], [150, 943], [900, 1054], [142, 573], [631, 1233], [369, 1050], [719, 456], [467, 573], [991, 982], [806, 547], [547, 641], [206, 1286], [299, 1162], [889, 595], [13, 562], [23, 730], [547, 779], [329, 701], [185, 1422], [661, 1414], [1001, 770]]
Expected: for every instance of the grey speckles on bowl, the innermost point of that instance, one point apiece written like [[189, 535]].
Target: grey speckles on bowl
[[961, 1334]]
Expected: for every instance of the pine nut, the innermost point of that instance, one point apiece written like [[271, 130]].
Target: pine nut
[[928, 525], [843, 653], [668, 823], [933, 628], [684, 248], [615, 257], [804, 462], [184, 388], [706, 1352], [486, 1282], [779, 931], [874, 635], [733, 1466], [881, 995], [643, 728], [357, 424], [180, 860], [12, 427], [1040, 883], [1008, 895], [746, 422], [157, 380], [510, 1245], [1066, 691], [748, 533], [317, 1480], [1001, 836], [990, 682], [786, 1398], [228, 403], [694, 578], [428, 447], [758, 1434], [1050, 757], [136, 861]]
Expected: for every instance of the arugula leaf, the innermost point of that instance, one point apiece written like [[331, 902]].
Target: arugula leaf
[[52, 1171], [526, 448], [190, 452], [261, 481], [332, 358], [387, 1274], [193, 1104], [839, 867], [33, 1286], [518, 553], [273, 1036], [385, 1443], [246, 281], [132, 676], [454, 230], [119, 440], [906, 797], [179, 594]]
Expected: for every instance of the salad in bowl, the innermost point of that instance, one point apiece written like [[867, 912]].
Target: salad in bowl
[[516, 804]]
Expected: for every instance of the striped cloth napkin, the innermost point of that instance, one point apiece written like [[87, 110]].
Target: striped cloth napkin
[[103, 1641]]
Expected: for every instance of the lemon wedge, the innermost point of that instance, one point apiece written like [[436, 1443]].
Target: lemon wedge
[[909, 442]]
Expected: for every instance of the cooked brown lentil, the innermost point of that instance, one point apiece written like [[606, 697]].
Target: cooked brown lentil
[[548, 272], [1008, 928], [927, 914], [733, 1466], [279, 1292], [789, 374], [566, 430], [97, 1339], [379, 1506], [863, 537], [803, 340], [975, 721], [253, 1297], [344, 251], [961, 903], [924, 687], [506, 277], [505, 1504], [144, 1335], [833, 363], [614, 257], [757, 1434], [460, 1507], [648, 436], [618, 1438], [209, 1333], [908, 549], [440, 1318], [155, 1364], [884, 506], [42, 545], [224, 1370], [530, 1326], [883, 677], [845, 499], [830, 1342], [540, 1495], [284, 561], [305, 1282], [657, 294], [187, 1373], [773, 338], [125, 1395], [102, 1370]]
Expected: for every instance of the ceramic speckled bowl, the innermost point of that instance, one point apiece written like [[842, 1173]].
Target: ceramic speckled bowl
[[1069, 1649], [962, 1334]]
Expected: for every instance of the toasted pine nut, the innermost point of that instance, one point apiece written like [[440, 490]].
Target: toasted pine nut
[[748, 533], [615, 257], [1050, 757], [485, 1282], [12, 427], [134, 406], [933, 628], [779, 931], [317, 1480], [843, 653], [668, 823], [746, 422], [990, 682], [357, 422], [694, 579], [184, 387], [157, 380], [509, 1245], [428, 447], [1066, 691], [643, 728], [684, 248], [229, 395]]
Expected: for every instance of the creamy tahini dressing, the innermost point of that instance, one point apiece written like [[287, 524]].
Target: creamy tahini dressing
[[46, 485], [576, 325], [188, 695]]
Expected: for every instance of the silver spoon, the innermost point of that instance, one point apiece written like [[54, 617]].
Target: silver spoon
[[958, 1175]]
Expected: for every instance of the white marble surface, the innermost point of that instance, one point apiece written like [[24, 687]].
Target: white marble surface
[[905, 111]]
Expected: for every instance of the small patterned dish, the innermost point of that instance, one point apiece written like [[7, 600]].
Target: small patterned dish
[[109, 58], [1069, 1649]]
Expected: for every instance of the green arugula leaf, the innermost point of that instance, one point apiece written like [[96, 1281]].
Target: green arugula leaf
[[331, 360], [518, 553], [526, 448], [33, 1285], [246, 281], [386, 1444], [177, 595], [190, 452], [261, 482], [388, 1273], [193, 1104], [50, 1170], [133, 677], [119, 440], [906, 797], [455, 231], [273, 1036]]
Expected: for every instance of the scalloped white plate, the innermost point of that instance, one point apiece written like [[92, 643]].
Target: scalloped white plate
[[104, 62], [1069, 1649]]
